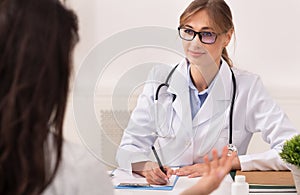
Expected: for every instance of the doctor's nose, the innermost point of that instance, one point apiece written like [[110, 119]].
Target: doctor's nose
[[196, 42]]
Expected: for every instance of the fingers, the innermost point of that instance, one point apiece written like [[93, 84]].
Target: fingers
[[215, 161], [184, 171], [207, 163], [160, 174], [169, 171], [224, 155], [206, 160], [229, 161], [153, 174], [225, 152], [195, 170], [156, 176], [195, 174], [225, 162], [220, 166]]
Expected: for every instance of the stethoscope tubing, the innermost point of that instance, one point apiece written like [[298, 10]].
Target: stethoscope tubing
[[166, 84], [232, 107]]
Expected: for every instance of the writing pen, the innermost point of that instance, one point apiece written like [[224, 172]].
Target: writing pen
[[158, 161]]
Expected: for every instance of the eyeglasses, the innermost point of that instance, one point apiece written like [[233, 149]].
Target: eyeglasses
[[205, 37]]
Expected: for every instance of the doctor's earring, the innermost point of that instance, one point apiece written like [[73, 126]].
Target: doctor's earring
[[231, 148]]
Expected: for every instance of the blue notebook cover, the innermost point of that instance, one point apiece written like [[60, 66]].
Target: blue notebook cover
[[137, 182]]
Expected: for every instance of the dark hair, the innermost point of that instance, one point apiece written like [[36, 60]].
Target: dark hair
[[36, 42], [219, 13]]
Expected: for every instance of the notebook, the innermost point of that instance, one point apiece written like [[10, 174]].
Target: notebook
[[123, 180], [269, 181]]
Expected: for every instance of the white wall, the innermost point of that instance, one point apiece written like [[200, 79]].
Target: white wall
[[267, 43]]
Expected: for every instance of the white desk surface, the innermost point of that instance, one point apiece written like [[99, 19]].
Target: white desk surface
[[184, 183]]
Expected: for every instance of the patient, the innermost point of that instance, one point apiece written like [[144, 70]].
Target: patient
[[36, 41]]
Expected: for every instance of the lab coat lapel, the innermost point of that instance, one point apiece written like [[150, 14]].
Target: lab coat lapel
[[175, 149], [212, 116], [181, 105], [218, 98]]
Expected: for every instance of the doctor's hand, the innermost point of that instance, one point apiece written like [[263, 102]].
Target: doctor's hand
[[152, 173], [191, 171]]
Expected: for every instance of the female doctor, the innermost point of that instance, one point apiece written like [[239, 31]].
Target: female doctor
[[203, 103]]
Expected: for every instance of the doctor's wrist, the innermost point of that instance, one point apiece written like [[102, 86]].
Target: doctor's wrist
[[236, 164], [142, 167]]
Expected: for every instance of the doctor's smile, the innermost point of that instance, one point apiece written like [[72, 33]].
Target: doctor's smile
[[196, 53]]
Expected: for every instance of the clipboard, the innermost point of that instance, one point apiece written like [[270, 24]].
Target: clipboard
[[122, 179]]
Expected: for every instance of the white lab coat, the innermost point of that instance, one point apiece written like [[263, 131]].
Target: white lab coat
[[254, 111]]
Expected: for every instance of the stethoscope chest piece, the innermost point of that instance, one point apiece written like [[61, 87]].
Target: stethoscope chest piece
[[231, 148]]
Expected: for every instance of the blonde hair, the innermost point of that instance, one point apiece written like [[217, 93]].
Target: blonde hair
[[219, 13]]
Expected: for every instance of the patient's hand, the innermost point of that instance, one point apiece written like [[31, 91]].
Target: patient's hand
[[215, 173]]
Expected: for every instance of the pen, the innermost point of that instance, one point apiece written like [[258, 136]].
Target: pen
[[112, 173], [158, 161]]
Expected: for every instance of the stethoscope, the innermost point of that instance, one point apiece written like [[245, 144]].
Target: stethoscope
[[231, 147]]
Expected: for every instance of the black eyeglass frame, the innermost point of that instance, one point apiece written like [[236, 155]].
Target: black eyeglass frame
[[199, 34]]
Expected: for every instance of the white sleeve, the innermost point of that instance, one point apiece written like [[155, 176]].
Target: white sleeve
[[268, 160], [265, 116]]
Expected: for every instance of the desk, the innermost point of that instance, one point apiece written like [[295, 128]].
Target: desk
[[184, 183]]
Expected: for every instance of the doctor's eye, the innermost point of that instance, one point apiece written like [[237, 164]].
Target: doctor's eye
[[208, 37], [207, 34], [186, 33], [189, 32]]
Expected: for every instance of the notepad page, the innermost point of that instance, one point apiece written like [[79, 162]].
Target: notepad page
[[122, 176]]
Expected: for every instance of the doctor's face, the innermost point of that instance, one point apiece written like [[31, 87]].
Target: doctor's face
[[208, 51]]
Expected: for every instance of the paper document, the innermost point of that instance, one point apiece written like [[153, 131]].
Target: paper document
[[138, 182]]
